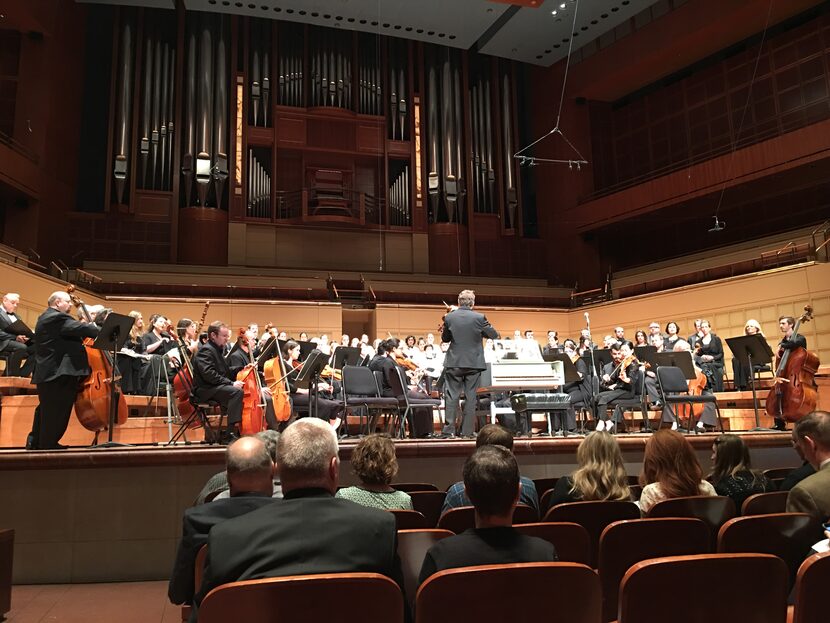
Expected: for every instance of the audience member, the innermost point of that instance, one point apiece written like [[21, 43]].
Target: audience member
[[270, 438], [309, 531], [250, 472], [491, 480], [600, 474], [492, 435], [375, 464], [670, 470], [811, 436], [732, 473]]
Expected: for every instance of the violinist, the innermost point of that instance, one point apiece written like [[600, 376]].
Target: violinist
[[622, 383], [132, 363], [786, 324], [214, 380], [650, 379], [186, 331], [61, 364], [329, 410], [240, 358], [389, 352], [157, 341], [709, 356], [552, 347]]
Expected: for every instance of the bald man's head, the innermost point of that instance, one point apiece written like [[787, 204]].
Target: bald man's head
[[250, 468]]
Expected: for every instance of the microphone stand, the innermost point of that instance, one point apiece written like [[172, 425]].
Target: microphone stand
[[594, 372]]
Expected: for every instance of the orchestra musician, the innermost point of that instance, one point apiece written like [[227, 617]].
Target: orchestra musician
[[61, 364], [329, 410], [694, 337], [621, 383], [19, 346], [389, 352], [213, 379], [552, 347], [672, 335], [134, 368], [740, 374], [786, 324], [707, 418], [640, 338], [239, 358], [463, 329], [157, 341], [579, 391], [709, 356], [186, 330]]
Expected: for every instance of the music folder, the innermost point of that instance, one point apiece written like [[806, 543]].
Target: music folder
[[571, 374], [18, 327]]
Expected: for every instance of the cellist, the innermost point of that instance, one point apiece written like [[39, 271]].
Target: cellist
[[786, 324], [240, 357], [61, 363], [213, 380]]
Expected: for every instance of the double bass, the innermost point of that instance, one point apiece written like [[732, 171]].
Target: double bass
[[253, 405], [93, 403], [794, 393]]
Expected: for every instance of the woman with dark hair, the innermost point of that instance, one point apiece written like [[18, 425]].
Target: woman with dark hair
[[672, 335], [709, 356], [375, 465], [600, 474], [670, 470], [640, 338], [732, 473]]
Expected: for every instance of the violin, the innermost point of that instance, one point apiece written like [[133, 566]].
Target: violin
[[253, 405], [408, 364], [450, 308], [795, 393]]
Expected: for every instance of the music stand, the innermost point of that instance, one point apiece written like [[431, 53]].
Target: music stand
[[111, 338], [644, 353], [601, 357], [678, 359], [345, 356], [571, 376], [309, 376], [753, 349]]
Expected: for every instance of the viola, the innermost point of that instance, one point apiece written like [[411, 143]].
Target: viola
[[253, 406], [795, 393], [94, 400]]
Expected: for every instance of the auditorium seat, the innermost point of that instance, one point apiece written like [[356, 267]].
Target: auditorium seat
[[625, 543], [714, 511], [409, 520], [341, 597], [459, 519], [594, 516], [544, 484], [786, 535], [765, 503], [428, 503], [198, 572], [413, 546], [409, 487], [571, 540], [724, 587], [572, 594], [6, 560], [810, 600]]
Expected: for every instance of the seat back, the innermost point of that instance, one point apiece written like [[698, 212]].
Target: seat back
[[522, 513], [341, 597], [571, 540], [6, 558], [625, 543], [765, 503], [813, 579], [594, 517], [409, 487], [714, 511], [651, 590], [413, 546], [462, 518], [573, 590], [671, 380], [359, 381], [397, 383], [409, 520], [786, 535], [428, 503], [544, 501], [544, 484], [778, 472]]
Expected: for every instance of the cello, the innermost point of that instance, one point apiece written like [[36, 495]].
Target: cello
[[253, 405], [794, 393], [183, 379], [275, 379], [94, 400]]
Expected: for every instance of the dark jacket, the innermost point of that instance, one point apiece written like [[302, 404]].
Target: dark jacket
[[196, 525], [5, 321], [59, 346], [464, 329], [210, 368]]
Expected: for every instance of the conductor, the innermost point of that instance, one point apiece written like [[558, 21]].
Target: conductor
[[463, 329]]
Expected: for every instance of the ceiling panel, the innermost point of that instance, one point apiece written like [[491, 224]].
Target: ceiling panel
[[153, 4], [457, 23], [538, 36]]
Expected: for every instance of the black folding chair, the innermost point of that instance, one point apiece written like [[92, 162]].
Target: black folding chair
[[396, 381], [674, 390], [360, 389]]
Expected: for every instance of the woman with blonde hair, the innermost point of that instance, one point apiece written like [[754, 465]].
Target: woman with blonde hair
[[670, 470], [375, 465], [740, 371], [601, 473]]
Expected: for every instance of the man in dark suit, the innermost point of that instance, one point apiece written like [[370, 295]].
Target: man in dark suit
[[309, 531], [811, 437], [790, 341], [463, 329], [17, 347], [60, 364], [491, 479], [214, 380], [250, 473]]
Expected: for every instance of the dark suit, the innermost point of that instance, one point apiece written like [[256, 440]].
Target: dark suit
[[307, 532], [213, 380], [464, 329], [17, 350], [196, 525], [60, 363]]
